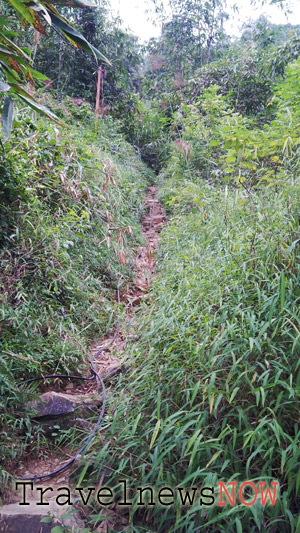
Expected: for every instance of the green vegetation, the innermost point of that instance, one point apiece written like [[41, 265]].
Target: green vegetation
[[16, 59], [212, 392], [70, 208], [215, 389], [217, 373]]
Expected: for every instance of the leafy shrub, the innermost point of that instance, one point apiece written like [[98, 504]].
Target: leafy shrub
[[227, 146], [215, 389], [148, 130], [75, 200]]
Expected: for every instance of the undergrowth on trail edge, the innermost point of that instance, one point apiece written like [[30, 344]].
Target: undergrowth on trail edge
[[71, 202], [214, 393]]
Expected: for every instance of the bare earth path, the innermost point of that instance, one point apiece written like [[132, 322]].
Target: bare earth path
[[109, 358], [131, 296]]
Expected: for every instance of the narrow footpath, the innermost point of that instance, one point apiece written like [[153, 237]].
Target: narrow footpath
[[109, 357]]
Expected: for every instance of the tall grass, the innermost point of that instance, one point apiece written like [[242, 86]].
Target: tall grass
[[73, 209], [214, 395]]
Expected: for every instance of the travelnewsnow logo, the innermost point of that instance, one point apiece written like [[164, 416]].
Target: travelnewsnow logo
[[225, 494], [267, 494]]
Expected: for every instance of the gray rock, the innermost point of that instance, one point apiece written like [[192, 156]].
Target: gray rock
[[27, 519], [112, 370], [57, 403]]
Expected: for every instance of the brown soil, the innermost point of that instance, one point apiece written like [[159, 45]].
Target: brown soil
[[111, 357]]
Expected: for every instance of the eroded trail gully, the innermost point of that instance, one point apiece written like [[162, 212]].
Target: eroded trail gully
[[108, 353], [108, 360]]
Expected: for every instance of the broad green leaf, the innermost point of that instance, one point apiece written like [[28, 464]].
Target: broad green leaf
[[231, 159], [75, 37], [40, 108]]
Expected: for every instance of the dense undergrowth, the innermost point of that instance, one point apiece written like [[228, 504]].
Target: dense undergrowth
[[214, 395], [71, 201], [212, 391]]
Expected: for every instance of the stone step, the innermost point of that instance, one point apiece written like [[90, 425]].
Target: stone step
[[16, 518], [57, 403]]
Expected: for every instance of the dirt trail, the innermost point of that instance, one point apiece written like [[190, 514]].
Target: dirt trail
[[108, 353], [132, 295]]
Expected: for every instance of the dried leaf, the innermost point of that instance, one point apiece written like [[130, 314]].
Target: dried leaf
[[36, 36], [14, 65], [20, 356], [122, 257]]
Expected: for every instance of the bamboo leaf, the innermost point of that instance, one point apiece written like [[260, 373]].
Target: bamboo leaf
[[28, 14], [40, 108], [282, 290], [155, 433], [82, 474], [40, 8], [195, 391], [211, 403], [214, 457], [239, 527], [298, 483], [13, 46], [192, 440], [135, 424], [235, 391], [75, 37]]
